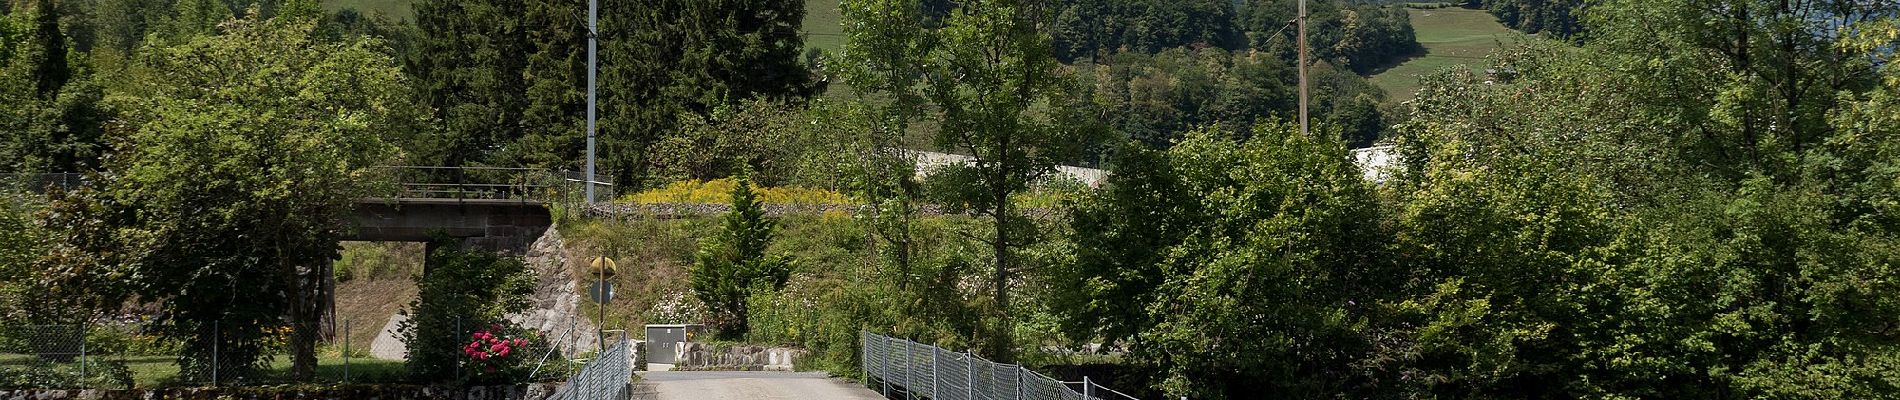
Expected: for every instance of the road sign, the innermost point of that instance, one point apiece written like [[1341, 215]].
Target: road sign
[[603, 267], [601, 291]]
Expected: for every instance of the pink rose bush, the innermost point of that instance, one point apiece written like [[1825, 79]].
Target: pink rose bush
[[496, 354]]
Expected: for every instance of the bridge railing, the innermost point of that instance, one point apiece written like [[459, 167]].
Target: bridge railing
[[488, 183], [923, 371]]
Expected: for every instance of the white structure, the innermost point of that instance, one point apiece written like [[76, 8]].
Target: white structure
[[1376, 162], [928, 162]]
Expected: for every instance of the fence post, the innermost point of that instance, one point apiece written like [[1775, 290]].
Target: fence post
[[910, 356], [884, 357], [1019, 381], [969, 376], [346, 351], [82, 351], [934, 375], [1088, 391], [216, 336]]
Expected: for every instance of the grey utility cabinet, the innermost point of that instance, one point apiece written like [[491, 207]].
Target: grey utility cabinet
[[661, 339]]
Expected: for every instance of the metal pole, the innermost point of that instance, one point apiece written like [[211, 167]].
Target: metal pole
[[82, 351], [969, 376], [602, 296], [1088, 388], [1303, 91], [910, 355], [1019, 381], [214, 352], [593, 44], [935, 376], [346, 351], [885, 372]]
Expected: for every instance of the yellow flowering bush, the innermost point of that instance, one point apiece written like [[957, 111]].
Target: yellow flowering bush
[[720, 191]]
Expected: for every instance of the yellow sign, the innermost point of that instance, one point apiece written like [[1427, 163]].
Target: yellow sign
[[604, 267]]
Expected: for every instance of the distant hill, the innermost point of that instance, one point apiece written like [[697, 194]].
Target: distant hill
[[1451, 37]]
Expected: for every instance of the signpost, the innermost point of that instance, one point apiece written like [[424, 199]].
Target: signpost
[[602, 291]]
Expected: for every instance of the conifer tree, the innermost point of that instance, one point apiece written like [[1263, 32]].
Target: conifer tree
[[736, 264]]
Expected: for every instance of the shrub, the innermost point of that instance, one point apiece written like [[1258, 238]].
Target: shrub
[[110, 374], [719, 190], [500, 353], [463, 291]]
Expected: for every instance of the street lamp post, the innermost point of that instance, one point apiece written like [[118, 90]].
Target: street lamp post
[[593, 44]]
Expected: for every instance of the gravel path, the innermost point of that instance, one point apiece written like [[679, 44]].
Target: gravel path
[[737, 385]]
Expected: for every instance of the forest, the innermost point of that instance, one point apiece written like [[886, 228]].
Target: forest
[[1663, 201]]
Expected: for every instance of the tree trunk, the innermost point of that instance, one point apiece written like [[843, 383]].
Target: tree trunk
[[304, 323]]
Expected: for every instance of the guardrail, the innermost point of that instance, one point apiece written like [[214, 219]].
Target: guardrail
[[923, 371]]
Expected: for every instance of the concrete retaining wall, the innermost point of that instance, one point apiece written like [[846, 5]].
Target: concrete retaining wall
[[704, 356]]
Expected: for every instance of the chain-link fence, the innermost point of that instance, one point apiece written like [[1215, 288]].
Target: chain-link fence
[[915, 371], [39, 183], [607, 377], [61, 356]]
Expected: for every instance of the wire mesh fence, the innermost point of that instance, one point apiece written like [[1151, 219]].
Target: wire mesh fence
[[913, 370], [39, 183], [607, 377], [124, 355]]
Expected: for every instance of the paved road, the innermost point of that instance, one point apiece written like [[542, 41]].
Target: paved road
[[737, 385]]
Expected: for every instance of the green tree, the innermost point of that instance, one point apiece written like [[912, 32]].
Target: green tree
[[246, 151], [468, 66], [1233, 268], [673, 57], [736, 264]]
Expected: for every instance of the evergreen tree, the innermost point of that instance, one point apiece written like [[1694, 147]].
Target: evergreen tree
[[737, 264], [468, 66]]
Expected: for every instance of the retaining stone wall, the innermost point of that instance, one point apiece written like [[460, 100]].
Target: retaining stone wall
[[539, 391]]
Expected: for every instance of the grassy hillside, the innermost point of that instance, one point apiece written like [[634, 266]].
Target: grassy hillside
[[397, 9], [822, 25], [1451, 37]]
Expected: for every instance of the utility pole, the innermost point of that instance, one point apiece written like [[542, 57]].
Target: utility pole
[[1302, 22], [593, 44]]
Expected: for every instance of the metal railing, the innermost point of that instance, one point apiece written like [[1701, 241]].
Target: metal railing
[[488, 183], [923, 371]]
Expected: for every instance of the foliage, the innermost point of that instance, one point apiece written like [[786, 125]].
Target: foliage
[[1158, 98], [733, 266], [1557, 18], [234, 178], [754, 135], [837, 291], [1232, 267], [49, 105], [463, 292], [103, 374], [1572, 240], [681, 57], [1084, 29], [22, 242]]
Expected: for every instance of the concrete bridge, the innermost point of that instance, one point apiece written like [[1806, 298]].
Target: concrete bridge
[[496, 209], [500, 225]]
